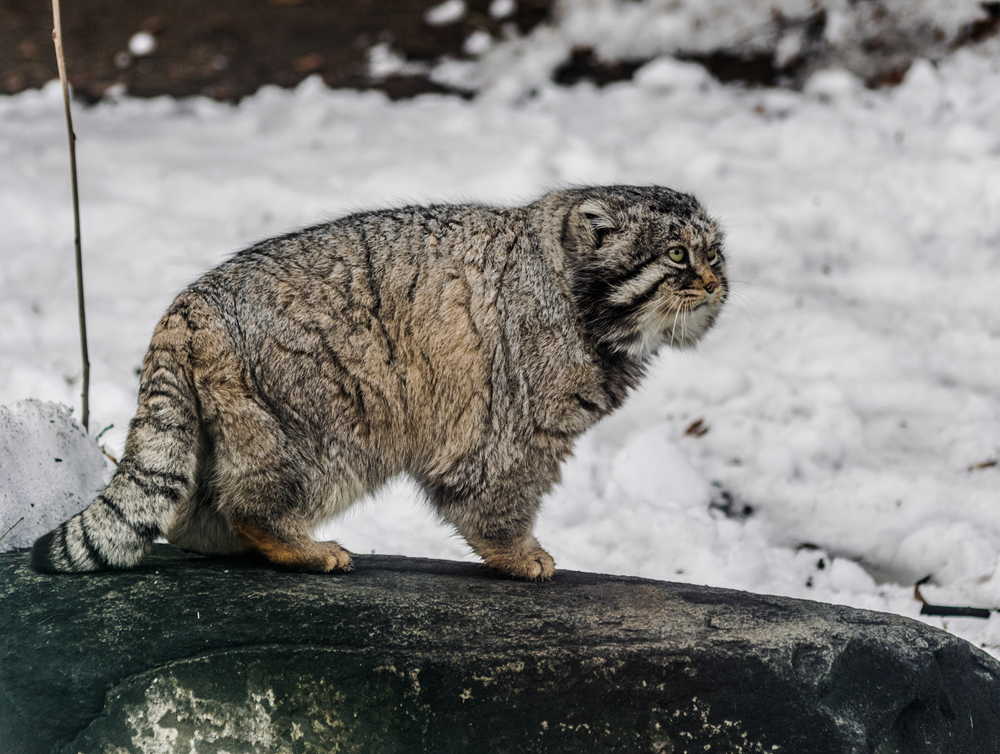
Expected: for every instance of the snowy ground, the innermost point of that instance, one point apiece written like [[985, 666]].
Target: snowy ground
[[847, 392]]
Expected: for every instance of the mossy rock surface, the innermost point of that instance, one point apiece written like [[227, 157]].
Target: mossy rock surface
[[407, 655]]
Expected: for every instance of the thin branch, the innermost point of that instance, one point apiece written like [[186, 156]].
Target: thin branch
[[11, 528], [60, 58]]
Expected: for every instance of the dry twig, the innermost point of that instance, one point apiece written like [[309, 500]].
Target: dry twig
[[61, 60], [697, 428], [983, 465], [15, 524]]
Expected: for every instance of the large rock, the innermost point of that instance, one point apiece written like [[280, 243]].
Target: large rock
[[193, 655]]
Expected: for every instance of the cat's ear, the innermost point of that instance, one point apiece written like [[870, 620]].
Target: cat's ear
[[599, 217]]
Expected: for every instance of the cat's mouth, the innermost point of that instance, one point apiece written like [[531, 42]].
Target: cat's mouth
[[689, 307]]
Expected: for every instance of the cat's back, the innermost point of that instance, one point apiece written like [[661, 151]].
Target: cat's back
[[420, 320], [372, 258], [414, 270]]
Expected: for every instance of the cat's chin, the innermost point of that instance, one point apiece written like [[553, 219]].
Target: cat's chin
[[681, 331], [649, 345], [686, 344]]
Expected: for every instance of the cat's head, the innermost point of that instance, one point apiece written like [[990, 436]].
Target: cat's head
[[648, 267]]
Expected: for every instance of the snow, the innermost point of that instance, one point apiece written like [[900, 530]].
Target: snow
[[142, 43], [850, 392], [51, 469], [446, 13], [500, 9]]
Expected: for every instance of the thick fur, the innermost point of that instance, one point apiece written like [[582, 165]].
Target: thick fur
[[463, 345]]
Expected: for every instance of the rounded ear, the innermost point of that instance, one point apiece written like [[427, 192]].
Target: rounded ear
[[599, 218]]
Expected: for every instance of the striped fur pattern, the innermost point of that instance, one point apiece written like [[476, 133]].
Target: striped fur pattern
[[465, 346]]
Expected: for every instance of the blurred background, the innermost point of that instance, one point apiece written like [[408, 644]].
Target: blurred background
[[228, 49]]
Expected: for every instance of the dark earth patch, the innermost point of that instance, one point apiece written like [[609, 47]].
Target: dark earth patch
[[228, 49]]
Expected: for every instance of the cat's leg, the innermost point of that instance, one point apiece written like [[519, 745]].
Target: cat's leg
[[269, 491], [519, 555], [198, 526], [291, 547], [497, 523], [268, 507]]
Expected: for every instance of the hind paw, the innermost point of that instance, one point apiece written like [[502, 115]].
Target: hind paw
[[531, 565], [301, 554]]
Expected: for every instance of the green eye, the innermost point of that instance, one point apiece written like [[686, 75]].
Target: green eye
[[676, 253], [712, 254]]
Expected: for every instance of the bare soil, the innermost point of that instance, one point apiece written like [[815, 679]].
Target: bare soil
[[227, 49]]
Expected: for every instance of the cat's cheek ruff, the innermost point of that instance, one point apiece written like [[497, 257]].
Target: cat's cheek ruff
[[680, 329], [699, 322], [641, 332]]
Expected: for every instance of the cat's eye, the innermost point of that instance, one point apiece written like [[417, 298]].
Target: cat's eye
[[712, 253], [676, 253]]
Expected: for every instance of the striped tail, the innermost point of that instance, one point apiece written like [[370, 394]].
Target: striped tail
[[157, 471]]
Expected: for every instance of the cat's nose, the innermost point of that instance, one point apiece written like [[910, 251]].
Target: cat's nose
[[711, 284]]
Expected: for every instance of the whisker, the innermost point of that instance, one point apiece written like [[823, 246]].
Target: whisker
[[748, 319], [748, 309], [744, 282], [663, 304], [746, 296], [667, 307]]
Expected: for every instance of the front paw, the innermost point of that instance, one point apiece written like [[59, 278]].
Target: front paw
[[531, 565], [333, 558]]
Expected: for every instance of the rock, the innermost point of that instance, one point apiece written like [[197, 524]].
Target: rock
[[406, 655]]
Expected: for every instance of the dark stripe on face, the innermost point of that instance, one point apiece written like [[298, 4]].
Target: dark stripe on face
[[641, 299], [624, 276], [596, 285], [601, 292]]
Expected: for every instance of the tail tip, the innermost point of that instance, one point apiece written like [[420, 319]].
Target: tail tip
[[41, 554]]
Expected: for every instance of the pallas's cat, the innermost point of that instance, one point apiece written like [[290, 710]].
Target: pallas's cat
[[463, 345]]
